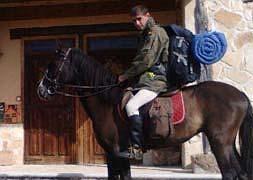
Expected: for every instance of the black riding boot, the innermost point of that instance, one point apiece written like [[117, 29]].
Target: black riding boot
[[136, 139]]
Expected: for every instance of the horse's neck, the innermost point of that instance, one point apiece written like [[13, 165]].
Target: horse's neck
[[93, 74], [96, 108]]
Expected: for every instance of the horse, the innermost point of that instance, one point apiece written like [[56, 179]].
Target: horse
[[217, 109]]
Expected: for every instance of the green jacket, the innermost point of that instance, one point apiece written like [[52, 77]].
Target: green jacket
[[153, 48]]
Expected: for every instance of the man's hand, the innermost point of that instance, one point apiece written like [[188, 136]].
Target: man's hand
[[122, 78]]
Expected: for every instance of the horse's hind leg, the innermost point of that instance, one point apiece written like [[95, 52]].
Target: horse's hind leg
[[242, 175], [225, 158], [223, 155]]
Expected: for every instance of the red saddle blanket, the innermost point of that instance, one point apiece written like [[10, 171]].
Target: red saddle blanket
[[177, 102], [172, 106]]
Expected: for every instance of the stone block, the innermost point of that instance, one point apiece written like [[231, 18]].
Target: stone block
[[233, 59], [240, 77], [204, 163], [250, 25], [248, 14], [147, 158], [226, 3], [242, 26], [212, 5], [165, 157], [243, 39], [248, 5], [190, 148], [11, 144], [249, 90], [216, 70], [237, 6], [16, 144], [5, 135], [6, 158], [228, 19], [248, 61]]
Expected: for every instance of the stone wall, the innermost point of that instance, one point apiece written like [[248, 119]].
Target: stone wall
[[11, 144], [235, 19]]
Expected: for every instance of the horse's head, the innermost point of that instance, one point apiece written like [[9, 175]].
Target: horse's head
[[60, 71], [75, 69]]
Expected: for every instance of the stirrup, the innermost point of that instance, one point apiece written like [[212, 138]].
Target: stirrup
[[137, 152], [132, 153]]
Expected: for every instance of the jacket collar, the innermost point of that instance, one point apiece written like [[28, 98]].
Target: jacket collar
[[149, 24]]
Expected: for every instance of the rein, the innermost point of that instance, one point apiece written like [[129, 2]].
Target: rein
[[82, 96], [88, 87], [53, 89]]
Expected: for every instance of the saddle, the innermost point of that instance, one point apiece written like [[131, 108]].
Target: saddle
[[160, 115]]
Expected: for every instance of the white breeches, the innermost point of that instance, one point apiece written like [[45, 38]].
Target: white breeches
[[142, 97]]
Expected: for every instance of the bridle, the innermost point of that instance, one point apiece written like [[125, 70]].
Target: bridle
[[54, 82]]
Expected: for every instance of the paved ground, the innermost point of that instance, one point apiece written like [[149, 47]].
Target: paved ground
[[95, 172]]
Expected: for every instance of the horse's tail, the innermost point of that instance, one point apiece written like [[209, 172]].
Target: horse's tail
[[246, 141]]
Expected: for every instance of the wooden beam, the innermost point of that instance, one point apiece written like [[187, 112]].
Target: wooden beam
[[20, 3], [63, 30], [81, 9]]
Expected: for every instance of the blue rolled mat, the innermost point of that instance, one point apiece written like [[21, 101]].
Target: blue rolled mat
[[209, 47]]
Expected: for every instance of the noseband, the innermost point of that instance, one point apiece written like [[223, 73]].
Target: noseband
[[54, 84], [52, 89]]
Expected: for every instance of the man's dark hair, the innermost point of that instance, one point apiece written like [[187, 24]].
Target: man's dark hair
[[139, 10]]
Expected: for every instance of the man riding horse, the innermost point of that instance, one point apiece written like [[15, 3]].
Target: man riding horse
[[148, 66]]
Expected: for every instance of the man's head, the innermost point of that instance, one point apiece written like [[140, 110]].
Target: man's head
[[140, 15]]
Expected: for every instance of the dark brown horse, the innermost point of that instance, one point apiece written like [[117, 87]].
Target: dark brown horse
[[217, 109]]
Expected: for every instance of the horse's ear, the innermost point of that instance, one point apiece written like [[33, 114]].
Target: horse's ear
[[59, 52]]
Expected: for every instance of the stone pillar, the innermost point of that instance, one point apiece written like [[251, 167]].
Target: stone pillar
[[194, 145], [11, 144]]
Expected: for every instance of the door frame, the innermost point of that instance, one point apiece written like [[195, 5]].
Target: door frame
[[34, 38]]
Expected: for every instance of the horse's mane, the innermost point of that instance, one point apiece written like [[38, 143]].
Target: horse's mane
[[93, 73]]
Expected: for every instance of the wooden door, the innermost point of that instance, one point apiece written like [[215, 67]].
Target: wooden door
[[49, 125]]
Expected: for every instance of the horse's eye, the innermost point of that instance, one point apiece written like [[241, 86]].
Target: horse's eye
[[60, 53]]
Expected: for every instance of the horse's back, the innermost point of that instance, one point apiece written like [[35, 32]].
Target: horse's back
[[217, 87], [217, 104]]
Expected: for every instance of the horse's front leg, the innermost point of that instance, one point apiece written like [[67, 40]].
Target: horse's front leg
[[118, 168], [125, 170], [112, 168]]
